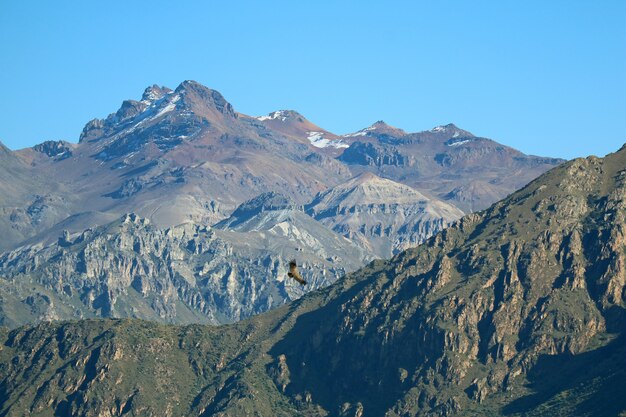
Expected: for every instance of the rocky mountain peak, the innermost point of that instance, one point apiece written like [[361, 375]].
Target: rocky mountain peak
[[128, 109], [283, 116], [261, 212], [154, 93], [292, 124], [92, 129], [450, 130], [55, 148], [373, 181], [354, 209], [366, 188], [379, 128], [133, 218], [367, 176], [162, 120], [200, 98]]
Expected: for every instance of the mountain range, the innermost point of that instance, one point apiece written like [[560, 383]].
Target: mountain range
[[516, 310], [183, 164]]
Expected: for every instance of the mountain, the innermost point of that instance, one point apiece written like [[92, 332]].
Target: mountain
[[183, 274], [29, 200], [273, 219], [516, 310], [380, 130], [383, 216], [260, 212], [184, 159], [292, 124], [186, 155], [467, 171], [177, 156]]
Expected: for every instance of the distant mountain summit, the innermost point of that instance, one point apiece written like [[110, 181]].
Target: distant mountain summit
[[285, 116], [294, 125], [451, 130], [366, 188], [163, 117], [154, 93], [382, 215], [448, 162], [380, 128]]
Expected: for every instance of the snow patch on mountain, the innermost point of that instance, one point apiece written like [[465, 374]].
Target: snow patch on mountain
[[280, 114], [153, 112], [169, 107], [361, 132], [318, 140]]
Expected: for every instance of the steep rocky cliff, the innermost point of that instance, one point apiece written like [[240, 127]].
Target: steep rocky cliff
[[183, 274], [517, 310]]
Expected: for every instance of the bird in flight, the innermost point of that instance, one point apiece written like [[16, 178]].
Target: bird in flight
[[293, 272]]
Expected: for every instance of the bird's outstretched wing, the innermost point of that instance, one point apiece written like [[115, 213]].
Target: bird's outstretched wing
[[293, 272]]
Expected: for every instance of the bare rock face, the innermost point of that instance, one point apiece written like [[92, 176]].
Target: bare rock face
[[55, 149], [383, 216], [184, 274], [376, 155], [516, 310]]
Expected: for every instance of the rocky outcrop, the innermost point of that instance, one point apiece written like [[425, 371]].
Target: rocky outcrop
[[183, 274], [376, 155], [59, 149]]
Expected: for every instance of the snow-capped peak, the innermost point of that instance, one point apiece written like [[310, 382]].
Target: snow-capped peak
[[438, 129], [281, 115], [154, 93], [379, 127], [450, 127]]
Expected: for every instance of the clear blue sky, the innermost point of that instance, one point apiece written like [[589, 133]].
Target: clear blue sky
[[546, 77]]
